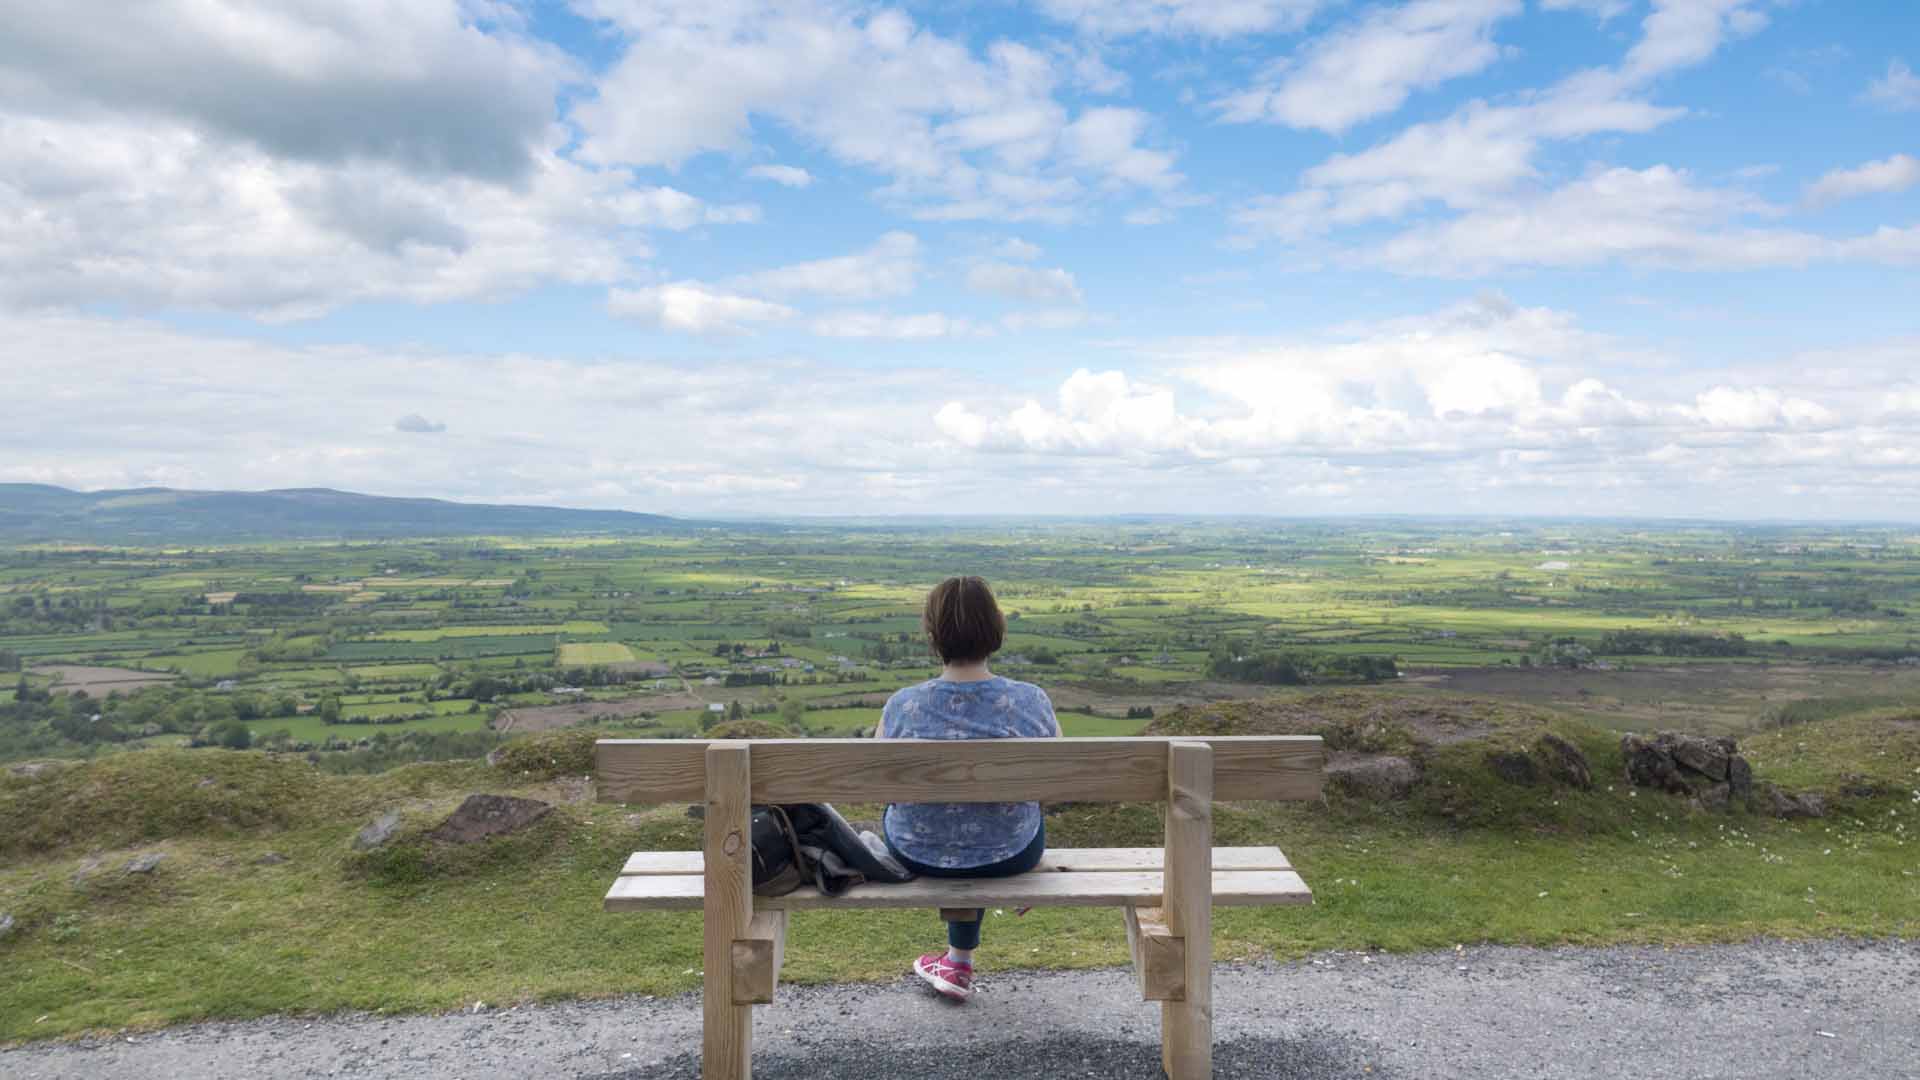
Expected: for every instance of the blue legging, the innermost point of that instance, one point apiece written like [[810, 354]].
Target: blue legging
[[966, 935]]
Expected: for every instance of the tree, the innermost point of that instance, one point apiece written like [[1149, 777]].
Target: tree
[[232, 734], [793, 713], [736, 711]]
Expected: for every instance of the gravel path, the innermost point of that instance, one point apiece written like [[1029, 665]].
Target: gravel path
[[1753, 1011]]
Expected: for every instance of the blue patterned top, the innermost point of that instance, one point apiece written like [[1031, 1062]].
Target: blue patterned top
[[961, 836]]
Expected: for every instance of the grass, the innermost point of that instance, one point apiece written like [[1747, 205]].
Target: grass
[[587, 654], [310, 728], [215, 933]]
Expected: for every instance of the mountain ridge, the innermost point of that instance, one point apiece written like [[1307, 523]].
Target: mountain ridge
[[47, 512]]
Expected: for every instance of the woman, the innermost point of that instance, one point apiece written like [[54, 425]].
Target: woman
[[965, 840]]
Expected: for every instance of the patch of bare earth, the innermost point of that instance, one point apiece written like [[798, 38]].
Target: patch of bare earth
[[554, 717], [98, 681]]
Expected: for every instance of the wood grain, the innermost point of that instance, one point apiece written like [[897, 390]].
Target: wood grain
[[1186, 1026], [1159, 957], [1056, 860], [727, 892], [1231, 888], [1248, 768]]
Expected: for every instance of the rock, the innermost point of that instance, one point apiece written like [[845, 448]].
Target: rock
[[1376, 779], [1783, 804], [145, 864], [271, 858], [206, 782], [377, 832], [1514, 766], [697, 812], [1650, 764], [494, 758], [1715, 798], [482, 816], [1708, 757], [1565, 761], [33, 770], [1740, 777], [6, 925], [85, 871]]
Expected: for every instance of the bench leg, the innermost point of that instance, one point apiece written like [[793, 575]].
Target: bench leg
[[1186, 1025], [726, 1048]]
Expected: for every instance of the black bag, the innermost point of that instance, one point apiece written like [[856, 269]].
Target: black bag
[[776, 853], [810, 843]]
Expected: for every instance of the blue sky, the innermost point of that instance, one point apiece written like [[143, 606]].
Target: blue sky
[[787, 256]]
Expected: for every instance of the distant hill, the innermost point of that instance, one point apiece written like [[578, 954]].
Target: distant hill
[[41, 512]]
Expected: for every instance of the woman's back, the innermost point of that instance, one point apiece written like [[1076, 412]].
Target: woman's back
[[960, 835]]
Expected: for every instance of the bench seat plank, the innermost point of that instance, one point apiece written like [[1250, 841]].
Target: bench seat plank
[[1231, 888], [1059, 860]]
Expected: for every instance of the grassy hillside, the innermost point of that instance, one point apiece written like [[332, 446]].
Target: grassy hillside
[[259, 905]]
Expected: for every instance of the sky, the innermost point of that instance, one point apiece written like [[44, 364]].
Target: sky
[[1654, 258]]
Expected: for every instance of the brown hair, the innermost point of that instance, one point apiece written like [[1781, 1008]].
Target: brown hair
[[963, 621]]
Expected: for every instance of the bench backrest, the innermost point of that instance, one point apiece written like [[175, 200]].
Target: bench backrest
[[1245, 768]]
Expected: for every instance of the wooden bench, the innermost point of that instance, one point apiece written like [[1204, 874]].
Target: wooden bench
[[1166, 895]]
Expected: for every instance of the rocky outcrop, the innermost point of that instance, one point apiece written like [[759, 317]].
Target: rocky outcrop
[[1783, 804], [378, 832], [1710, 772], [482, 816], [1376, 779], [145, 864], [1565, 762]]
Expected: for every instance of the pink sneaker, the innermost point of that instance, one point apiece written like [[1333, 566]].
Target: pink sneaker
[[953, 981]]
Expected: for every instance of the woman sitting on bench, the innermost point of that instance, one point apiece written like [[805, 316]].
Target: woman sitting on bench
[[965, 840]]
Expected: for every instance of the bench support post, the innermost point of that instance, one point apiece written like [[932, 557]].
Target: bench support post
[[1186, 1025], [1159, 958], [726, 1050], [757, 958]]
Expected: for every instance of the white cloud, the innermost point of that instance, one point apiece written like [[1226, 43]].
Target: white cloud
[[288, 158], [1649, 217], [415, 424], [888, 268], [431, 87], [785, 175], [694, 308], [1149, 215], [1199, 18], [958, 135], [1487, 406], [1028, 283], [1602, 9], [1371, 66], [1896, 173], [1899, 90], [1106, 141], [1757, 409], [1017, 249], [1479, 156], [1487, 401], [148, 213], [867, 324]]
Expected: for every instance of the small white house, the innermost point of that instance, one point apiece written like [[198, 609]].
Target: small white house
[[716, 707]]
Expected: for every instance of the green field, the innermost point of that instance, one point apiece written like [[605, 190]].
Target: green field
[[586, 654], [1631, 624]]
